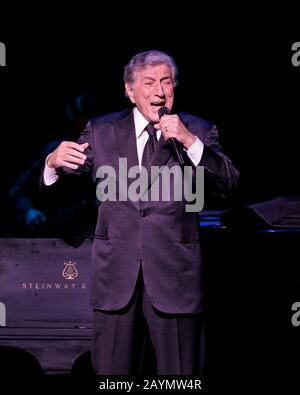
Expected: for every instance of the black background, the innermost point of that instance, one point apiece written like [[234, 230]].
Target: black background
[[234, 69]]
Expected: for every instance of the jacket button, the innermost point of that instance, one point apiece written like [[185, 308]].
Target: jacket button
[[144, 213]]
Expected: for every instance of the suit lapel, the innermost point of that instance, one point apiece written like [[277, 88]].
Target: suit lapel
[[126, 139]]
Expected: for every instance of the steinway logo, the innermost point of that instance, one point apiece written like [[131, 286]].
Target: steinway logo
[[69, 273]]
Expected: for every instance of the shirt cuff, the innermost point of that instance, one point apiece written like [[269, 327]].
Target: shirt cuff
[[195, 151], [50, 175]]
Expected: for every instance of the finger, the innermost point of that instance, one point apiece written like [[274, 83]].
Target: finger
[[78, 147], [73, 159], [75, 153], [69, 165], [165, 126], [84, 145], [168, 135], [161, 125]]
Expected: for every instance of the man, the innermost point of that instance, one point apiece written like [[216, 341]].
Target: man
[[146, 264]]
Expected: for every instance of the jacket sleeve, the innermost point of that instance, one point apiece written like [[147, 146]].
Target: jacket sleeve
[[220, 172], [67, 175]]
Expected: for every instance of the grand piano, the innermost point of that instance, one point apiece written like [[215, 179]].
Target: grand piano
[[44, 293]]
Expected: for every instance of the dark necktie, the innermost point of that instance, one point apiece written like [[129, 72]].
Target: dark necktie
[[150, 146]]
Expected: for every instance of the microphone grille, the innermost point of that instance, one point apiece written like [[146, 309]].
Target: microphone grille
[[162, 111]]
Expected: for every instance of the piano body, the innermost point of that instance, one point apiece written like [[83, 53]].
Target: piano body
[[44, 294]]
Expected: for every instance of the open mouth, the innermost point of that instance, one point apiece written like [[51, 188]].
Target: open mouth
[[157, 105]]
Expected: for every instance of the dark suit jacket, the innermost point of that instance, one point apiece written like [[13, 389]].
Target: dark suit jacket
[[158, 235]]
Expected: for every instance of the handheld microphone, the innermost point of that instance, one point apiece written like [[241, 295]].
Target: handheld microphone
[[175, 145]]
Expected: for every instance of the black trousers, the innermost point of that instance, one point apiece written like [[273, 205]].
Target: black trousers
[[119, 337]]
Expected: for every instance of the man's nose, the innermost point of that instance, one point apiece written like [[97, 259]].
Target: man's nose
[[159, 90]]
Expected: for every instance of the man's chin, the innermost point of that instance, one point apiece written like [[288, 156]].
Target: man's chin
[[154, 115]]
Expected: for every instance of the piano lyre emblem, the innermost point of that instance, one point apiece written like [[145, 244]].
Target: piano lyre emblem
[[70, 272]]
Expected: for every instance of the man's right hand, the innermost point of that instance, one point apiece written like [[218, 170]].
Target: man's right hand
[[67, 154]]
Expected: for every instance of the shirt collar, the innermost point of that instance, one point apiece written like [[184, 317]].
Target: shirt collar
[[139, 122]]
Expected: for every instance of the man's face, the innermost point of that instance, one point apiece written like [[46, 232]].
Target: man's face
[[152, 89]]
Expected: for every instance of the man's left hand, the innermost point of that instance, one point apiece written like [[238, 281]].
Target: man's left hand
[[172, 126]]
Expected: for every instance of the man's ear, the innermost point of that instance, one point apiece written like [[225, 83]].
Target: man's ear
[[129, 91]]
